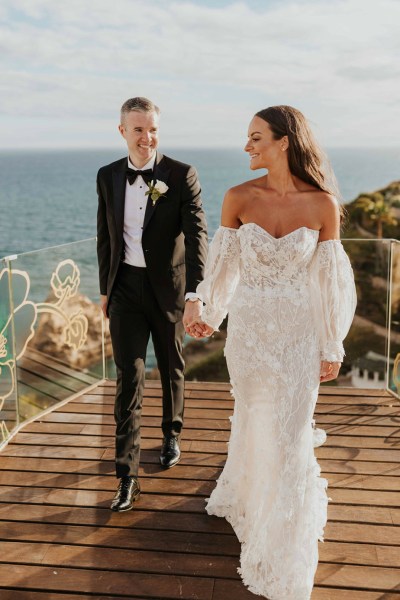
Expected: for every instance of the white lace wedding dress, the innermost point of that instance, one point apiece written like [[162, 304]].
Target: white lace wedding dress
[[290, 302]]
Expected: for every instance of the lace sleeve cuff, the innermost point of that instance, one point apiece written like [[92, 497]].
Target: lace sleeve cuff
[[333, 352], [212, 318]]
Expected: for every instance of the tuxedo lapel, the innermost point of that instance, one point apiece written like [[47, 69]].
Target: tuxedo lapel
[[119, 187], [161, 173]]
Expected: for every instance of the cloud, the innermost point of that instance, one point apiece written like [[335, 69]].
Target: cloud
[[82, 60]]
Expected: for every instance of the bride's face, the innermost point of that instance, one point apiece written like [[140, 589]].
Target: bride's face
[[263, 149]]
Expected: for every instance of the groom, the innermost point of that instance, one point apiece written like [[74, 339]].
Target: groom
[[152, 247]]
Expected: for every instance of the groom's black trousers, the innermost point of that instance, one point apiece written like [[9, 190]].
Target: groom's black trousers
[[134, 315]]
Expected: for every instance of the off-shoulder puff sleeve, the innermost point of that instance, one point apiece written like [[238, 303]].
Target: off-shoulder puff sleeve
[[333, 297], [221, 276]]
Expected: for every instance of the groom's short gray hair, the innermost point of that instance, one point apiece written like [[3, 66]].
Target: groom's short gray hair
[[140, 104]]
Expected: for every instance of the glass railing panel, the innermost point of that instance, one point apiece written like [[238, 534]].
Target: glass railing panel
[[394, 322], [365, 363], [8, 383], [58, 324]]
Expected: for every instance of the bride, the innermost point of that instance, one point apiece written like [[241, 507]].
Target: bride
[[277, 265]]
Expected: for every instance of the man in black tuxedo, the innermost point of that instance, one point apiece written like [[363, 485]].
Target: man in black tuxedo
[[152, 247]]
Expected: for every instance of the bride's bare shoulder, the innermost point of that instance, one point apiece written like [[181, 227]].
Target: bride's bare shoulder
[[326, 204], [234, 201], [242, 191]]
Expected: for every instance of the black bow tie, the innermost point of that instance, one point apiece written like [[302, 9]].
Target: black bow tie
[[131, 175]]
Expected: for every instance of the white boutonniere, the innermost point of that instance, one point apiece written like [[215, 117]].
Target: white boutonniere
[[157, 190]]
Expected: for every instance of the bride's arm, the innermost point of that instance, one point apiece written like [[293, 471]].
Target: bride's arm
[[334, 295], [221, 271], [330, 230]]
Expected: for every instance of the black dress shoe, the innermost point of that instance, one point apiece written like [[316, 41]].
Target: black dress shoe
[[170, 452], [127, 493]]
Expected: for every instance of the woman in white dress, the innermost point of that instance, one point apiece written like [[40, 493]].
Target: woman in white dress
[[277, 265]]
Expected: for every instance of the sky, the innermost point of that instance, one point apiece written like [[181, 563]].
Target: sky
[[67, 66]]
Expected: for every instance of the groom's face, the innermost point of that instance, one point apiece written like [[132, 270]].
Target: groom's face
[[140, 130]]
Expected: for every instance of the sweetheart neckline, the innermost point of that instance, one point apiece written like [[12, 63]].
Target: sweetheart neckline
[[283, 236]]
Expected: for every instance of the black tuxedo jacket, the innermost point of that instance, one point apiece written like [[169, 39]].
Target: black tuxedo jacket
[[174, 236]]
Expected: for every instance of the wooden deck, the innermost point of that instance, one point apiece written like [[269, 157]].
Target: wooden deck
[[60, 541]]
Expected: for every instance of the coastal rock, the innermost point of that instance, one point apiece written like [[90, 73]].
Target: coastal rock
[[73, 337]]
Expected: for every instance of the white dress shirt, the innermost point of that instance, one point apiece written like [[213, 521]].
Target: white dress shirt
[[135, 208]]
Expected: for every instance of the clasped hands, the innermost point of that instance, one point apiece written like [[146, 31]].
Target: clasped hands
[[329, 370], [199, 329], [193, 323]]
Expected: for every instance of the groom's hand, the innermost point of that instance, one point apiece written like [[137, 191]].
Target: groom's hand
[[199, 329], [103, 305], [192, 312]]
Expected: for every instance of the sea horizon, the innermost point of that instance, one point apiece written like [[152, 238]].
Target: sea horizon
[[44, 190]]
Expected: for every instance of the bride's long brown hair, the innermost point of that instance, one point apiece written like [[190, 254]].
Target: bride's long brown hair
[[307, 161]]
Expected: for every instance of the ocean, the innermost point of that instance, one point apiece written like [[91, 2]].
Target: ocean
[[48, 198]]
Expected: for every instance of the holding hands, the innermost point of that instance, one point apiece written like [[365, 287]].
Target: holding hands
[[199, 329], [192, 321], [329, 370]]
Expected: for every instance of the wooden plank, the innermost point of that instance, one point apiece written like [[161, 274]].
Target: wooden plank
[[99, 431], [360, 400], [320, 593], [8, 594], [382, 421], [90, 419], [57, 365], [215, 544], [355, 577], [48, 374], [147, 455], [107, 394], [359, 554], [364, 482], [120, 559], [43, 385], [366, 497], [235, 590], [91, 498], [156, 401], [140, 518], [51, 451], [360, 430], [81, 467], [128, 585], [363, 533], [91, 441], [358, 467], [355, 454], [73, 481], [358, 410], [363, 514], [101, 409], [352, 391], [350, 441], [231, 590]]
